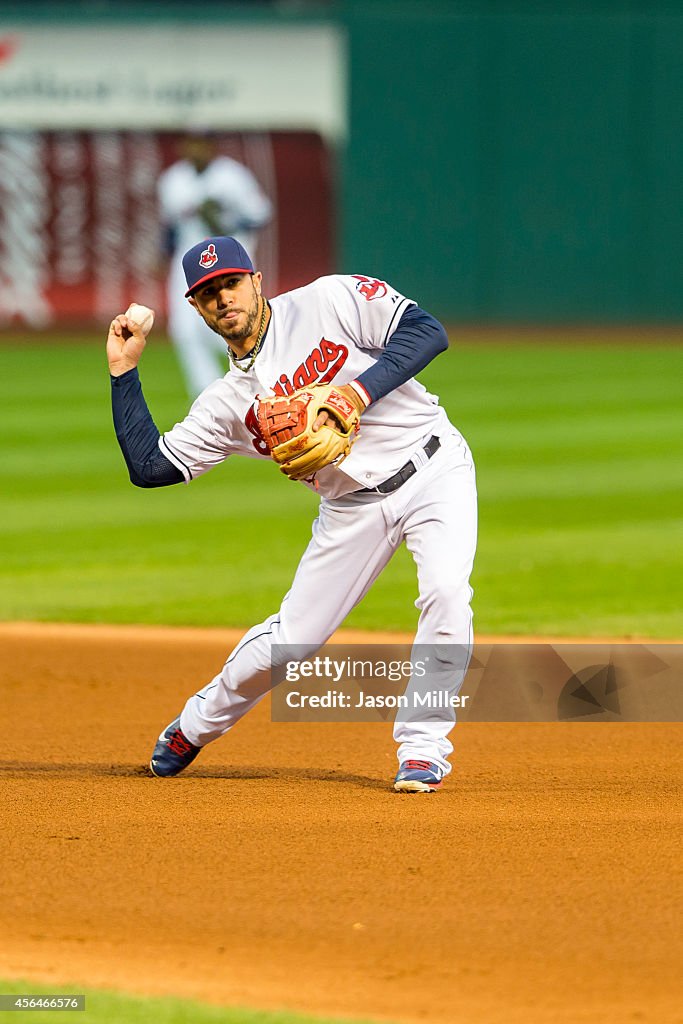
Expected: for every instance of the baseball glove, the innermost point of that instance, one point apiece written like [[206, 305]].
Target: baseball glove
[[286, 425]]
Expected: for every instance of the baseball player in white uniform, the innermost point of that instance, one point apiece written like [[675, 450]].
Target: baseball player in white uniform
[[204, 194], [409, 477]]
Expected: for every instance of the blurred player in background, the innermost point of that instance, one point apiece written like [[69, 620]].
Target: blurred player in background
[[204, 194]]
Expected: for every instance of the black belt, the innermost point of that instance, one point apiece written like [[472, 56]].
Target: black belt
[[404, 473]]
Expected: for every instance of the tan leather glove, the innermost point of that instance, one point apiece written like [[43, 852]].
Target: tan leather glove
[[286, 425]]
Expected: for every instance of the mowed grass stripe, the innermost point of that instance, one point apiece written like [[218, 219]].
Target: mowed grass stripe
[[579, 474]]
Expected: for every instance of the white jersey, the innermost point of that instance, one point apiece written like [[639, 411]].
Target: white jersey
[[330, 330], [182, 190]]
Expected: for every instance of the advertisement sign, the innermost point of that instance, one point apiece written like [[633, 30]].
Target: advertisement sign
[[89, 119], [229, 77]]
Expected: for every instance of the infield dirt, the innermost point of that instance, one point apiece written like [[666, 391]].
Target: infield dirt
[[282, 871]]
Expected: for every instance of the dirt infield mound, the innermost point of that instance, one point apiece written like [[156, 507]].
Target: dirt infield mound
[[282, 871]]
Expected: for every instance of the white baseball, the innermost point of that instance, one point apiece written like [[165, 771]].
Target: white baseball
[[141, 316]]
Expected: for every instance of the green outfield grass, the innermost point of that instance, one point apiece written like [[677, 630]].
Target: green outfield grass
[[103, 1007], [580, 475]]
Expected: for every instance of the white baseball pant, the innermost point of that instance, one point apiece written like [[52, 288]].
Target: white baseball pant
[[201, 353], [354, 537]]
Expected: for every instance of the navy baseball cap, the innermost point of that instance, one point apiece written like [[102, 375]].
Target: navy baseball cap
[[213, 257]]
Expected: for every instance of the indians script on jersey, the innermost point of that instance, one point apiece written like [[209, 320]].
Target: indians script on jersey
[[330, 330], [320, 367]]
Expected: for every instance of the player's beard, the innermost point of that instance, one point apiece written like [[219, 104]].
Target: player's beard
[[236, 335]]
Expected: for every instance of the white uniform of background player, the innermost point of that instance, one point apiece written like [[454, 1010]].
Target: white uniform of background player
[[204, 194], [334, 329]]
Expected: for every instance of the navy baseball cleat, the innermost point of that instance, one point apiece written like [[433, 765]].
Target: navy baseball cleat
[[173, 752], [418, 777]]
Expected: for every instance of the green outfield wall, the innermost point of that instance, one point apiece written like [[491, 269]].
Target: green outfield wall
[[520, 164], [505, 162]]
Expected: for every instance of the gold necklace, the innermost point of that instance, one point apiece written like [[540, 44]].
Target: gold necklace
[[257, 347]]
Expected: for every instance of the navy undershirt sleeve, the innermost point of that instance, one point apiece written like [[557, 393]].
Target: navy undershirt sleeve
[[138, 436], [418, 338]]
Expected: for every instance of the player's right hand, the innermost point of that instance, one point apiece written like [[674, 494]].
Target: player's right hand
[[125, 345]]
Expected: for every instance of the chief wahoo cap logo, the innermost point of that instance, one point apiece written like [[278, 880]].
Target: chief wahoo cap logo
[[208, 257]]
